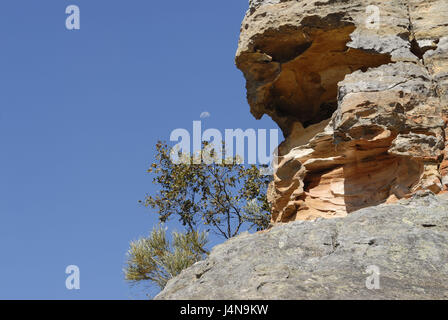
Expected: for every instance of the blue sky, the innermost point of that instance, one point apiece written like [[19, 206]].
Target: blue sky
[[80, 113]]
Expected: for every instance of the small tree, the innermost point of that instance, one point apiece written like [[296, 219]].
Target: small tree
[[222, 195], [156, 260]]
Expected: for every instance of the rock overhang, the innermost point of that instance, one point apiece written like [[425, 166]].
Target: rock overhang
[[361, 109]]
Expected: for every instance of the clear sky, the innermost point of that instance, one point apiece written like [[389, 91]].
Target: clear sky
[[80, 113]]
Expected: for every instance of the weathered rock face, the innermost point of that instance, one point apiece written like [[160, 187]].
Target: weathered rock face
[[391, 251], [360, 91]]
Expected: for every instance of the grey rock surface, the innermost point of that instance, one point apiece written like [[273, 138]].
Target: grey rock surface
[[254, 4], [331, 258]]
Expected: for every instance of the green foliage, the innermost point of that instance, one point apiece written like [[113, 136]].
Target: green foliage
[[222, 196], [154, 259], [257, 213]]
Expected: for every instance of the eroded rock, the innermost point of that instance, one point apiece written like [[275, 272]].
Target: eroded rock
[[363, 105]]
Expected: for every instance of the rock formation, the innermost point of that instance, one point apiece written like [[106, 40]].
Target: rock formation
[[359, 89], [390, 251]]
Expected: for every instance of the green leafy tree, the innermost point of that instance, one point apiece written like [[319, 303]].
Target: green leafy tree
[[157, 260], [218, 196], [222, 195]]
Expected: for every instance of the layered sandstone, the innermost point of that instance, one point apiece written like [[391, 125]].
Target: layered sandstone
[[362, 100]]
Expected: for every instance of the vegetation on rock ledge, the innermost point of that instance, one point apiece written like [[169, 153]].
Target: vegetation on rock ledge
[[223, 197]]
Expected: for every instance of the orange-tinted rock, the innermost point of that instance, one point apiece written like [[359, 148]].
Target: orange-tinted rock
[[363, 110]]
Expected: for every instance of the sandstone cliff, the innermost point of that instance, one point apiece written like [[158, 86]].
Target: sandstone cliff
[[360, 91], [331, 258]]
